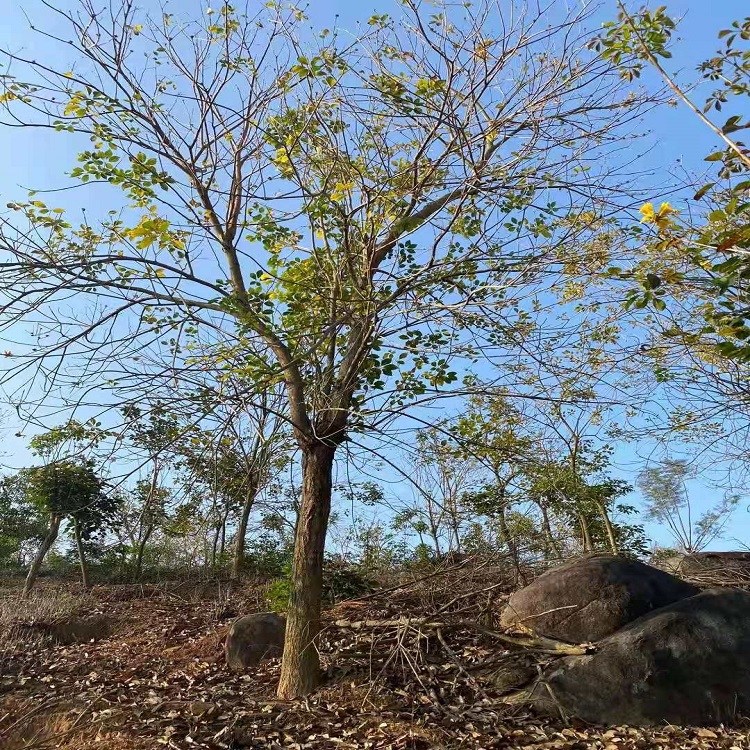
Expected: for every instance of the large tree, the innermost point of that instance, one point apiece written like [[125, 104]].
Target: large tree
[[346, 213]]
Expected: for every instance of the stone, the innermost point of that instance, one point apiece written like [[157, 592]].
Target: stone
[[684, 664], [252, 638], [515, 671], [592, 597], [70, 629]]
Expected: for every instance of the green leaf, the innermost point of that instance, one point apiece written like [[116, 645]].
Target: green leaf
[[703, 191], [715, 156]]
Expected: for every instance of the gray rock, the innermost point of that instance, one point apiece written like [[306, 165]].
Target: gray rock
[[514, 672], [591, 597], [684, 664], [69, 629], [253, 638]]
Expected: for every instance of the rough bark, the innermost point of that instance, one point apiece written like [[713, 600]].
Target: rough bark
[[300, 668], [81, 554], [49, 540]]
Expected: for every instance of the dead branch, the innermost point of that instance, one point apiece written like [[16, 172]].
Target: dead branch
[[532, 643]]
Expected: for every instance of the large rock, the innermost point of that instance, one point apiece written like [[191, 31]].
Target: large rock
[[69, 629], [592, 597], [684, 664], [253, 638]]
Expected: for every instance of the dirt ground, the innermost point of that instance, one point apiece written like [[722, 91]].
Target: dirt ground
[[157, 679]]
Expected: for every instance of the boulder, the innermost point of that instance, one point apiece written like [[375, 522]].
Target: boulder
[[591, 597], [684, 664], [253, 638], [69, 629]]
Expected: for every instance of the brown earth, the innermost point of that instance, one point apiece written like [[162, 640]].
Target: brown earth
[[159, 680]]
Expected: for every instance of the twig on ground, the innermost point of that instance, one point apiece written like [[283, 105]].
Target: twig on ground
[[534, 643]]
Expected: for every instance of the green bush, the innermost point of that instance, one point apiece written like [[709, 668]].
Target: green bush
[[267, 558], [340, 581], [278, 592]]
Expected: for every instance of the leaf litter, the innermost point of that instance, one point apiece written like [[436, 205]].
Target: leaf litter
[[159, 680]]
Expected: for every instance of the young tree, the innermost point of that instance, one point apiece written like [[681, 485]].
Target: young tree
[[668, 501], [441, 476], [236, 459], [493, 431], [65, 488], [346, 214], [22, 525]]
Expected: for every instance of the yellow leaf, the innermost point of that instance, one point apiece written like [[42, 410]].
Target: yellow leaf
[[340, 189]]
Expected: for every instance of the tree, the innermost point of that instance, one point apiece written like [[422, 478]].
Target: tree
[[236, 460], [66, 485], [65, 488], [154, 432], [704, 256], [440, 478], [493, 431], [22, 525], [668, 501], [348, 216]]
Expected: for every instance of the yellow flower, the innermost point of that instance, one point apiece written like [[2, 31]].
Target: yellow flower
[[647, 213], [660, 218]]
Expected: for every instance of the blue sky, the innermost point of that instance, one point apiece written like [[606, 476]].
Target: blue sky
[[32, 159]]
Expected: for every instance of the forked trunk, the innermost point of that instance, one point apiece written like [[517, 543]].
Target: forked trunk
[[609, 529], [81, 554], [49, 540], [300, 667], [140, 552], [550, 545]]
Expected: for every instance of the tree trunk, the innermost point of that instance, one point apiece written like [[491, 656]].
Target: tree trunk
[[551, 544], [49, 540], [223, 541], [510, 543], [609, 528], [239, 545], [585, 533], [141, 550], [300, 667], [215, 546], [81, 554]]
